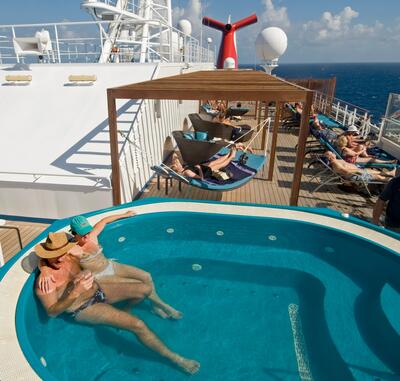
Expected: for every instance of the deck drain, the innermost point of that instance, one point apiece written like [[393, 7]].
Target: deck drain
[[121, 239], [196, 267], [170, 230], [43, 361], [220, 233], [272, 237]]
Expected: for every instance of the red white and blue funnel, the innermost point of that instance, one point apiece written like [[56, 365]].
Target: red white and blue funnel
[[227, 56]]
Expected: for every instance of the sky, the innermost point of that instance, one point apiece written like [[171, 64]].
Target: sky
[[317, 30]]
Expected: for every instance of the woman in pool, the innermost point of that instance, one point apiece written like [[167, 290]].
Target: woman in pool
[[91, 257]]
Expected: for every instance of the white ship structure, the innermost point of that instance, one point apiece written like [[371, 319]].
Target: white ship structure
[[54, 144]]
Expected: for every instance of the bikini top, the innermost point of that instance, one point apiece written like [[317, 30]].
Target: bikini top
[[88, 257]]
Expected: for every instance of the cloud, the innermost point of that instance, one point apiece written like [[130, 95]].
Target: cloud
[[338, 27], [275, 16], [193, 12]]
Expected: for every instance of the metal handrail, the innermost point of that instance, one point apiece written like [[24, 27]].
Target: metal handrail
[[18, 233]]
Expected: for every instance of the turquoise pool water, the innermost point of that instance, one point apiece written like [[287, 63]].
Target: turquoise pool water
[[273, 300]]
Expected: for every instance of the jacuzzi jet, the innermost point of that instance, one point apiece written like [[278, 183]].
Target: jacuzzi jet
[[43, 361], [220, 233], [196, 267], [121, 239], [272, 237], [170, 230]]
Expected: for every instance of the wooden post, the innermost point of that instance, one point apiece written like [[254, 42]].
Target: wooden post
[[115, 170], [301, 147], [255, 111], [264, 133], [278, 110], [259, 113]]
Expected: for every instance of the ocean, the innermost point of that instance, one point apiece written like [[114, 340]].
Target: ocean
[[363, 84]]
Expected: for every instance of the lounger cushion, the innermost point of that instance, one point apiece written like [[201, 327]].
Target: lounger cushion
[[188, 135], [200, 135]]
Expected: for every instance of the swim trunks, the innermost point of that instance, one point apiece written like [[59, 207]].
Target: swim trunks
[[98, 297]]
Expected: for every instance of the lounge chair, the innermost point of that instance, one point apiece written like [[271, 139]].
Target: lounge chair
[[240, 133], [242, 173], [196, 151], [328, 176], [236, 111]]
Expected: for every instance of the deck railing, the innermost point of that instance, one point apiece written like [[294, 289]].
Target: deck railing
[[82, 42], [345, 113]]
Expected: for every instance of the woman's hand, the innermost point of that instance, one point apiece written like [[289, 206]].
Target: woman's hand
[[45, 281]]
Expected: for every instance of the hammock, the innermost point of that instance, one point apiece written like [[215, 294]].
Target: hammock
[[242, 173]]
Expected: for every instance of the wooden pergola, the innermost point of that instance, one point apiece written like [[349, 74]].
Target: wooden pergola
[[231, 85]]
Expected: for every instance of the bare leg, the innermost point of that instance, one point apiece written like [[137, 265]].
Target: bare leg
[[102, 313], [160, 307], [223, 161]]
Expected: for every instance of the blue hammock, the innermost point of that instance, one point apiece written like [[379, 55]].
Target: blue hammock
[[242, 173]]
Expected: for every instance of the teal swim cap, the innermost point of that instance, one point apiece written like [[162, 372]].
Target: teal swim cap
[[80, 225]]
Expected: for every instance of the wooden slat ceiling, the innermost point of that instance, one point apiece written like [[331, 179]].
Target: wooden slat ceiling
[[214, 84]]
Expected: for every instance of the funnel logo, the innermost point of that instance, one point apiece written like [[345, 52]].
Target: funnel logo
[[227, 56]]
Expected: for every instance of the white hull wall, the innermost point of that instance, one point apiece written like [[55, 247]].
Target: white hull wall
[[55, 138]]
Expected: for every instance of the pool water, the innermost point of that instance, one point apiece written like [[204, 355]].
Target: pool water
[[263, 299]]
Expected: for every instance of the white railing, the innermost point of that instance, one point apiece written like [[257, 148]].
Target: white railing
[[82, 42], [345, 113]]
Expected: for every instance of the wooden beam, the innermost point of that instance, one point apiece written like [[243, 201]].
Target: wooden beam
[[115, 169], [264, 133], [301, 145], [278, 110]]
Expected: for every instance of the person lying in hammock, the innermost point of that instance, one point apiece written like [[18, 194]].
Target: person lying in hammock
[[205, 170]]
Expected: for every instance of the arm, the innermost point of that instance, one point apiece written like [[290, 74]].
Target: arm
[[377, 212], [55, 306], [46, 279], [98, 228]]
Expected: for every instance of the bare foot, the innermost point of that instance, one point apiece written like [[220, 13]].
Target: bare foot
[[158, 311], [189, 366], [173, 313]]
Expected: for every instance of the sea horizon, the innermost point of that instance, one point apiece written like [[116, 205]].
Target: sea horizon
[[363, 84]]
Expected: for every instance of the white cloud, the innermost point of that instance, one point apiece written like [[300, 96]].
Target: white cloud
[[338, 27], [193, 12], [275, 16]]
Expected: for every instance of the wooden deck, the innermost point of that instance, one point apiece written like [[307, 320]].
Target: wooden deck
[[9, 237], [277, 191]]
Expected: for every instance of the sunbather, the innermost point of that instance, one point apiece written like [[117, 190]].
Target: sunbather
[[352, 172], [204, 170], [91, 257], [351, 156]]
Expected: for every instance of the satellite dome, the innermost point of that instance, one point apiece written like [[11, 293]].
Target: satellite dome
[[271, 43], [185, 26]]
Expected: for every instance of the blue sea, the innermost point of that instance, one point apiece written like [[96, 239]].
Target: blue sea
[[363, 84]]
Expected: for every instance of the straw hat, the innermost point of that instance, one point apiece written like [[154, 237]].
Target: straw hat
[[56, 244]]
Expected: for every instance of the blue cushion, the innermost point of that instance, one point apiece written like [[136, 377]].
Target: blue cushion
[[200, 135], [188, 135]]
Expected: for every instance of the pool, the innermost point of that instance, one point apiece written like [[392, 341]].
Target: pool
[[267, 294]]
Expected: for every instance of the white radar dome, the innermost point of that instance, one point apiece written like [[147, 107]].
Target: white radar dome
[[271, 43], [185, 26]]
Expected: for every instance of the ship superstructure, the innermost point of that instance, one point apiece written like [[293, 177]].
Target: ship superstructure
[[54, 124]]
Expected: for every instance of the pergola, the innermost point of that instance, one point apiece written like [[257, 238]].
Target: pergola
[[231, 85]]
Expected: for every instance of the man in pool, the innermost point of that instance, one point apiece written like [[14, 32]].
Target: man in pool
[[77, 293]]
